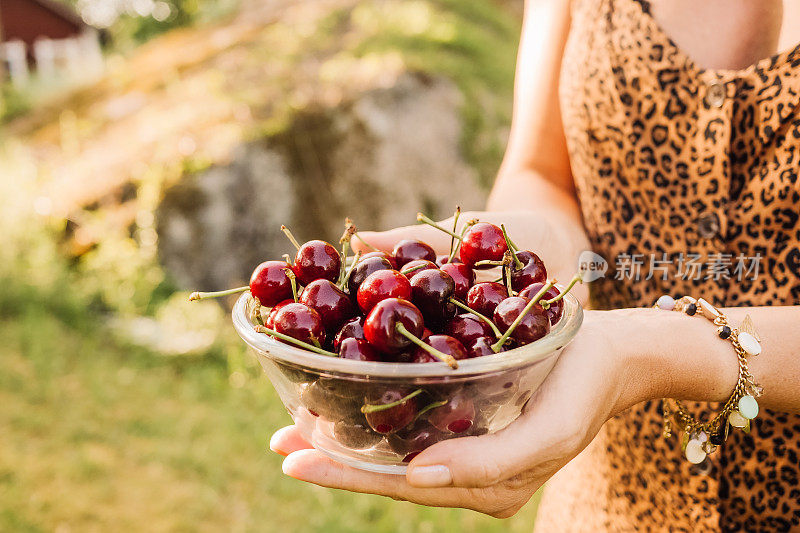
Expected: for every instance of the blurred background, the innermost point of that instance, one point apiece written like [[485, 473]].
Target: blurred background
[[152, 147]]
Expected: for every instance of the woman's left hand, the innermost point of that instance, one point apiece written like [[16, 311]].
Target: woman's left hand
[[497, 474]]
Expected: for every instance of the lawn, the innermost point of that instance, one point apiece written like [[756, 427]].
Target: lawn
[[100, 436]]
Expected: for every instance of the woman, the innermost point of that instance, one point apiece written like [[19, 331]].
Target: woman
[[643, 144]]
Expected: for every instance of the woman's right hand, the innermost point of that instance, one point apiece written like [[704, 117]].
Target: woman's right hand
[[555, 237]]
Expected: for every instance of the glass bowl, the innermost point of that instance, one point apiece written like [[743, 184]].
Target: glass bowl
[[324, 395]]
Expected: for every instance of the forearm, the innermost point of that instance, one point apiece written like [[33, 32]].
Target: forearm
[[669, 354]]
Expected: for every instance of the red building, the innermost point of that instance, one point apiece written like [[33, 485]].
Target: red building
[[46, 36]]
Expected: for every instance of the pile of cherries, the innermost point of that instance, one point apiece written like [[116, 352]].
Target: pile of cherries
[[407, 306]]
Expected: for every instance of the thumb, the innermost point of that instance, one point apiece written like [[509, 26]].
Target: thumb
[[385, 240]]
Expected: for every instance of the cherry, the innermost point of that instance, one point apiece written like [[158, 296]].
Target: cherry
[[383, 255], [352, 329], [363, 269], [555, 310], [482, 242], [445, 259], [484, 297], [331, 302], [456, 416], [411, 268], [482, 346], [531, 271], [270, 283], [431, 292], [392, 410], [317, 260], [467, 328], [357, 350], [270, 321], [380, 326], [533, 326], [300, 322], [356, 435], [410, 443], [324, 403], [443, 343], [463, 276], [381, 285], [410, 249]]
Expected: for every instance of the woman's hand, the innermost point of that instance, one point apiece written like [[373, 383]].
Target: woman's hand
[[497, 474], [556, 237]]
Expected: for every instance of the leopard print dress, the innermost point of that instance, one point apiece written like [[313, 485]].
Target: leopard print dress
[[671, 160]]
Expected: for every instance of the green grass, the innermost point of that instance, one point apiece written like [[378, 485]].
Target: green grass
[[97, 435]]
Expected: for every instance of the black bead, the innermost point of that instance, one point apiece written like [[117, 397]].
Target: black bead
[[691, 309], [724, 332], [717, 439]]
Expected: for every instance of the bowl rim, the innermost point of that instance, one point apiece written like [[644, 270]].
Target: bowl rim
[[560, 335]]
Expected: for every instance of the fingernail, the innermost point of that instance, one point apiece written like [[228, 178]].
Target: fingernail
[[430, 476]]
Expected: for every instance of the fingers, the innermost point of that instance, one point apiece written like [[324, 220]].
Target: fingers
[[287, 440], [314, 467], [385, 240]]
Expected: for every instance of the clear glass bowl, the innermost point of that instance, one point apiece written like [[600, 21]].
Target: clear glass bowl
[[324, 395]]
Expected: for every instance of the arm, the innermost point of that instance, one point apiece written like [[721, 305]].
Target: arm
[[533, 194]]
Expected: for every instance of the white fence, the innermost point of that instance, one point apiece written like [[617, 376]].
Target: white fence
[[75, 58]]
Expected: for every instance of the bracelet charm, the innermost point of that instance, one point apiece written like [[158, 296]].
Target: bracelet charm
[[699, 439]]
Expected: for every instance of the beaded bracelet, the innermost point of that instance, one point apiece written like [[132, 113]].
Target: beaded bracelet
[[700, 439]]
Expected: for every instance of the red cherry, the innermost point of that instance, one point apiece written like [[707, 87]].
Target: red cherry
[[483, 346], [270, 283], [484, 297], [443, 343], [482, 242], [556, 308], [300, 322], [463, 276], [363, 269], [381, 285], [383, 255], [445, 259], [534, 325], [431, 291], [467, 328], [410, 442], [410, 249], [456, 416], [411, 268], [357, 350], [352, 329], [331, 302], [532, 270], [393, 418], [270, 321], [317, 260], [380, 325]]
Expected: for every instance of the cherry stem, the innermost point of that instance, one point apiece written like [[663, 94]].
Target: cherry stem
[[577, 278], [293, 281], [507, 272], [408, 271], [255, 310], [292, 340], [289, 236], [458, 244], [489, 262], [350, 269], [496, 347], [468, 309], [204, 295], [425, 220], [511, 246], [368, 245], [441, 356], [455, 226], [432, 405], [287, 259], [374, 408]]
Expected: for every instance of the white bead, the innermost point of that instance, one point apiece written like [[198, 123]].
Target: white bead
[[702, 437], [748, 407], [737, 420], [694, 452], [749, 343], [709, 311], [666, 302]]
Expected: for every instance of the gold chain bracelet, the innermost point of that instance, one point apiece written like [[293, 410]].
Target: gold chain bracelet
[[700, 439]]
